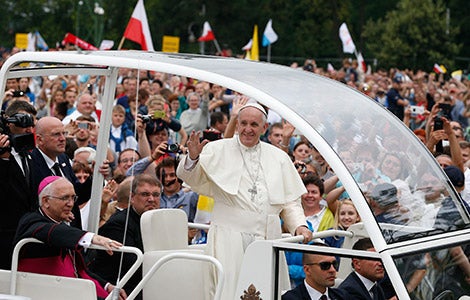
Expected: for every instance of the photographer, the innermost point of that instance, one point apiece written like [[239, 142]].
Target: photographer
[[16, 139], [165, 149], [439, 129]]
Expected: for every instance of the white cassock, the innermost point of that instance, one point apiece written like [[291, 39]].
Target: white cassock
[[229, 172]]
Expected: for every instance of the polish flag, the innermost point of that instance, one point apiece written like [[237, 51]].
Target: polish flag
[[138, 28], [439, 69], [207, 33], [361, 62]]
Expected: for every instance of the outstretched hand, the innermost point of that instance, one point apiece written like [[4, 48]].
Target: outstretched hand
[[195, 145]]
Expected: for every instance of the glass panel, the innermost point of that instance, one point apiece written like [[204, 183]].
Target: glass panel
[[442, 272], [378, 150]]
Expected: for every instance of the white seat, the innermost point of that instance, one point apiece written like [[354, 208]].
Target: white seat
[[360, 232], [165, 231], [47, 287]]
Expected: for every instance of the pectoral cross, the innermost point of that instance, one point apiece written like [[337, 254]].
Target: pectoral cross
[[253, 192]]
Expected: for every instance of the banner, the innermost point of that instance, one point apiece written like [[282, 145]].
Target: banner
[[72, 39], [346, 39]]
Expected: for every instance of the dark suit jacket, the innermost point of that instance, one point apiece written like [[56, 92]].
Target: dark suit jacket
[[40, 170], [107, 266], [356, 290], [300, 293], [17, 199]]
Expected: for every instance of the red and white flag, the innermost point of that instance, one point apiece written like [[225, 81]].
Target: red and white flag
[[439, 69], [138, 28], [207, 33], [72, 39], [361, 62]]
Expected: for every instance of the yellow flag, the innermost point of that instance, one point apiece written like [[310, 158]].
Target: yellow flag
[[255, 46], [444, 70]]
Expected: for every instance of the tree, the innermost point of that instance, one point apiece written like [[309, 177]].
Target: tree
[[414, 35]]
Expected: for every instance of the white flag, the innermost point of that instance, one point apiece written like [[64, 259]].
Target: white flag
[[248, 45], [348, 44], [269, 36]]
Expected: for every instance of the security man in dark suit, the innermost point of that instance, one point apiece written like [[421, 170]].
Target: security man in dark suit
[[49, 159], [16, 140], [362, 284], [320, 275]]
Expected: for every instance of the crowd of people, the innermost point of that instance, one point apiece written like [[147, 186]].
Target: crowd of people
[[162, 154]]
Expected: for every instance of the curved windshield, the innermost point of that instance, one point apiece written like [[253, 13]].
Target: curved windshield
[[407, 191]]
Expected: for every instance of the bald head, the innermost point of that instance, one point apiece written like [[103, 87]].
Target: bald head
[[50, 136]]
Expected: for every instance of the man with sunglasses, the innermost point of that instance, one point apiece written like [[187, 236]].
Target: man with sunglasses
[[61, 253], [362, 283], [15, 175], [320, 275]]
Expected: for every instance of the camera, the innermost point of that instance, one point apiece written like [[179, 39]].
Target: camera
[[417, 110], [159, 114], [17, 94], [300, 166], [146, 118], [20, 142], [172, 148]]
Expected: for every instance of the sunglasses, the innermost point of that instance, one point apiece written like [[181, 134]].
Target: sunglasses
[[326, 265]]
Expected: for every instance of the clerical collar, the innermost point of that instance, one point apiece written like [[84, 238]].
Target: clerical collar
[[53, 220], [245, 148]]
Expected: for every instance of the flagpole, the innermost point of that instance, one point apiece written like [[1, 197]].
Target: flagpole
[[121, 43], [269, 53], [217, 46]]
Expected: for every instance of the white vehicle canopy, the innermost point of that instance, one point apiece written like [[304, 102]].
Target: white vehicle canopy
[[340, 122]]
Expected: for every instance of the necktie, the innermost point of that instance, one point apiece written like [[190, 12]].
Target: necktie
[[24, 163], [323, 297], [373, 291], [56, 170]]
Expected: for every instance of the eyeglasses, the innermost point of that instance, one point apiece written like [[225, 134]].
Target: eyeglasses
[[126, 160], [147, 194], [326, 265], [68, 198], [57, 134]]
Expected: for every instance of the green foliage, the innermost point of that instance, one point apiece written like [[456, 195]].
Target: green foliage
[[413, 36], [403, 33]]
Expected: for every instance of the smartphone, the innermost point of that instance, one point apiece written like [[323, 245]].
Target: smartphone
[[211, 135], [159, 114], [82, 125], [438, 124], [417, 110]]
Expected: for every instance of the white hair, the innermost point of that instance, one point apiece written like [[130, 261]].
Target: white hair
[[89, 150]]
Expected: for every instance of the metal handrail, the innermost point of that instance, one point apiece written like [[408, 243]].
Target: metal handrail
[[119, 284], [168, 257], [316, 235]]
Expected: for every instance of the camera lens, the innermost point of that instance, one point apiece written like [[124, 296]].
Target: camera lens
[[146, 119], [173, 148]]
